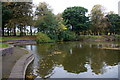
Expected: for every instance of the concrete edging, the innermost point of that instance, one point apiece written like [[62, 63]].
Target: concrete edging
[[19, 69], [6, 51]]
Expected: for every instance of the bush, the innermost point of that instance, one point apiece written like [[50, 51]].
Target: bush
[[41, 37], [67, 35], [117, 37], [53, 36]]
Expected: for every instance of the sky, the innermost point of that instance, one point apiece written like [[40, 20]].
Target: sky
[[59, 6]]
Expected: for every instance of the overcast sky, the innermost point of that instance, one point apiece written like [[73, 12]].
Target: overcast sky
[[59, 6]]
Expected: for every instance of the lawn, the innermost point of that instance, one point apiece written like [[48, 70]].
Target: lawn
[[3, 45], [17, 38]]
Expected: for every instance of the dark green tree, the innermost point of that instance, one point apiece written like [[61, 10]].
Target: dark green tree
[[22, 12], [75, 18], [114, 20], [16, 14], [6, 15]]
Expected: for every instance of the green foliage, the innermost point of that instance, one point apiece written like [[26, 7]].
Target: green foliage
[[67, 35], [16, 15], [45, 21], [41, 37], [88, 37], [6, 13], [98, 20], [18, 38], [60, 21], [75, 19], [65, 26], [3, 45], [117, 37], [114, 19], [53, 36]]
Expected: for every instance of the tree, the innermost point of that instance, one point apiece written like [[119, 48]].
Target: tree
[[16, 14], [45, 17], [46, 21], [6, 15], [22, 15], [59, 19], [98, 19], [114, 19], [75, 19]]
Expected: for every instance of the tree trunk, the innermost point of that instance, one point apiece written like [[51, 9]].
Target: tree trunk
[[24, 32], [3, 31], [38, 29], [21, 31], [8, 31], [14, 31], [30, 30]]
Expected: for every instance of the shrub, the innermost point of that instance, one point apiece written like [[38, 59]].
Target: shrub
[[53, 36], [67, 35], [41, 37], [117, 37]]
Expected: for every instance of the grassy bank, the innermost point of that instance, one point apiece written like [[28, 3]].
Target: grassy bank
[[90, 37], [117, 37], [3, 45], [43, 38], [18, 38], [99, 38]]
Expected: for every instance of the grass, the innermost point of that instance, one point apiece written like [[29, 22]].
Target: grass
[[35, 38], [117, 36], [17, 38], [3, 45], [90, 37], [43, 38]]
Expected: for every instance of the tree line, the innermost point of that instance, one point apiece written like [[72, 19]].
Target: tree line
[[72, 21], [16, 15]]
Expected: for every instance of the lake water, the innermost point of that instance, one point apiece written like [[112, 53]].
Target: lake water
[[74, 60]]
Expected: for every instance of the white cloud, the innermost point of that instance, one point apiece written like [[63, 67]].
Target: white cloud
[[59, 6]]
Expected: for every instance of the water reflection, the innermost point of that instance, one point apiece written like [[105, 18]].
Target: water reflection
[[73, 59]]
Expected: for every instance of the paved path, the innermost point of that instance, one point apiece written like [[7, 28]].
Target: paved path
[[20, 67], [9, 60]]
